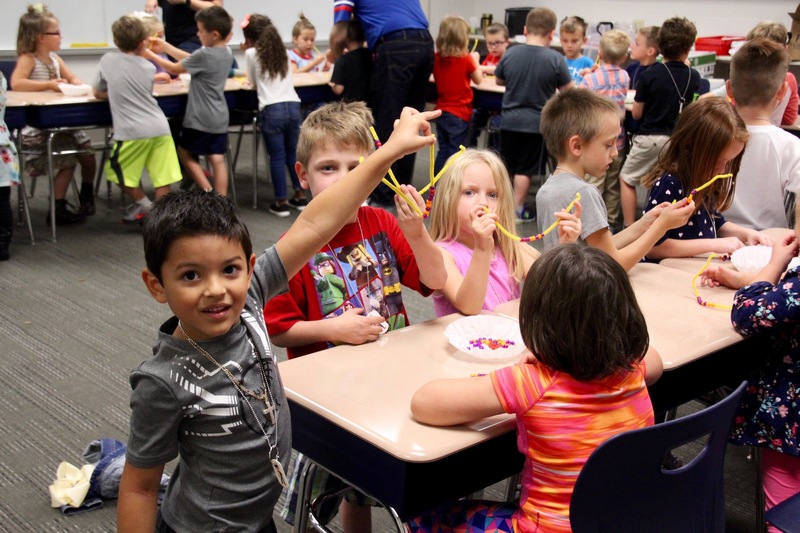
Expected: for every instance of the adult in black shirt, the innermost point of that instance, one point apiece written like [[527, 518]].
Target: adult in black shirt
[[180, 27]]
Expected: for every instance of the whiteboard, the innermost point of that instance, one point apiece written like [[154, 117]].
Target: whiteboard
[[89, 21]]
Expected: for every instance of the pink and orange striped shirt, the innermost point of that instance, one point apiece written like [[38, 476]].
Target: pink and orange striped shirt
[[560, 421]]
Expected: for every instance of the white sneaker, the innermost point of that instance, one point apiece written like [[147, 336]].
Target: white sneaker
[[134, 214]]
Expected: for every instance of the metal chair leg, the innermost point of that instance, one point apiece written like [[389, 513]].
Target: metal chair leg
[[22, 198], [231, 180], [304, 491], [105, 154], [52, 181], [256, 135], [238, 145], [511, 488]]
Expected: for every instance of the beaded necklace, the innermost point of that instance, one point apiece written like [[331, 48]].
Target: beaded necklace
[[270, 409]]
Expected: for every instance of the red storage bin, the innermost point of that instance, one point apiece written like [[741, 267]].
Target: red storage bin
[[719, 44]]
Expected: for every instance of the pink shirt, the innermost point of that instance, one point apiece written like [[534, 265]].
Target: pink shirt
[[560, 421], [502, 286]]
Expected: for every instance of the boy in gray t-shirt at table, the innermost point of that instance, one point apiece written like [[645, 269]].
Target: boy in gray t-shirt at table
[[141, 131], [205, 123], [581, 129]]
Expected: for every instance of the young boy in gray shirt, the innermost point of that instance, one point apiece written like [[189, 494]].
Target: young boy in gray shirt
[[141, 133], [205, 123]]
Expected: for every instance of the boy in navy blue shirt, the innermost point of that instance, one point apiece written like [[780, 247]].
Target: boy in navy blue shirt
[[662, 91]]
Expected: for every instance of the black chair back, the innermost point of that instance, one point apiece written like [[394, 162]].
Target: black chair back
[[624, 487]]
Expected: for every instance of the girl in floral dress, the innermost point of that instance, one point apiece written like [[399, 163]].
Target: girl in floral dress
[[768, 303]]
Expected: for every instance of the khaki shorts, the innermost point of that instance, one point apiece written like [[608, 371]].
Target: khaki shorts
[[129, 158], [642, 157]]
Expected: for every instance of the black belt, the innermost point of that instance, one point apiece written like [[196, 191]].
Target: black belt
[[406, 35]]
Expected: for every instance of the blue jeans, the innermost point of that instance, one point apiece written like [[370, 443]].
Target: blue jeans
[[451, 132], [280, 126], [403, 63], [482, 117]]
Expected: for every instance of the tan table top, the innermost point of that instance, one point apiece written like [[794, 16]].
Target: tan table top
[[367, 390], [694, 264], [680, 329]]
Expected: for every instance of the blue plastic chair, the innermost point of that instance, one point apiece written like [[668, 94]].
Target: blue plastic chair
[[624, 488], [786, 515]]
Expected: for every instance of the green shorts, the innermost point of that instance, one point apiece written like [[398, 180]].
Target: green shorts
[[157, 154]]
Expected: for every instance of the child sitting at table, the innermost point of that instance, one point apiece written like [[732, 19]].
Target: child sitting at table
[[497, 41], [9, 175], [141, 132], [304, 56], [572, 36], [573, 393], [708, 141], [580, 129], [211, 394], [267, 68], [350, 291], [766, 304], [39, 68], [610, 80], [770, 172], [352, 72], [453, 69], [205, 123], [485, 266]]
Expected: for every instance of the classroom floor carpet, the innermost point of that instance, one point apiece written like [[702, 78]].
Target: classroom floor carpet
[[75, 318]]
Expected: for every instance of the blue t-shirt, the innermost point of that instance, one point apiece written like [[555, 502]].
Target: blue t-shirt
[[575, 66], [379, 18]]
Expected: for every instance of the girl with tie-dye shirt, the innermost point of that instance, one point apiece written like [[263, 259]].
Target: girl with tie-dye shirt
[[584, 384]]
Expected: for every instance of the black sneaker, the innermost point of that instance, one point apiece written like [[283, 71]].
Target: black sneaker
[[64, 216], [298, 203], [281, 210], [87, 201], [525, 214]]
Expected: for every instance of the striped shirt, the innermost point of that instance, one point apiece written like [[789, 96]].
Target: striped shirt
[[560, 421], [613, 82]]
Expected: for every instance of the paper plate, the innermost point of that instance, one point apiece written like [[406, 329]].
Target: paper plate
[[486, 336], [75, 90], [754, 258]]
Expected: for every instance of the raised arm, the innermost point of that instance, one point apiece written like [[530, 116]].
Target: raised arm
[[329, 211], [427, 255]]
